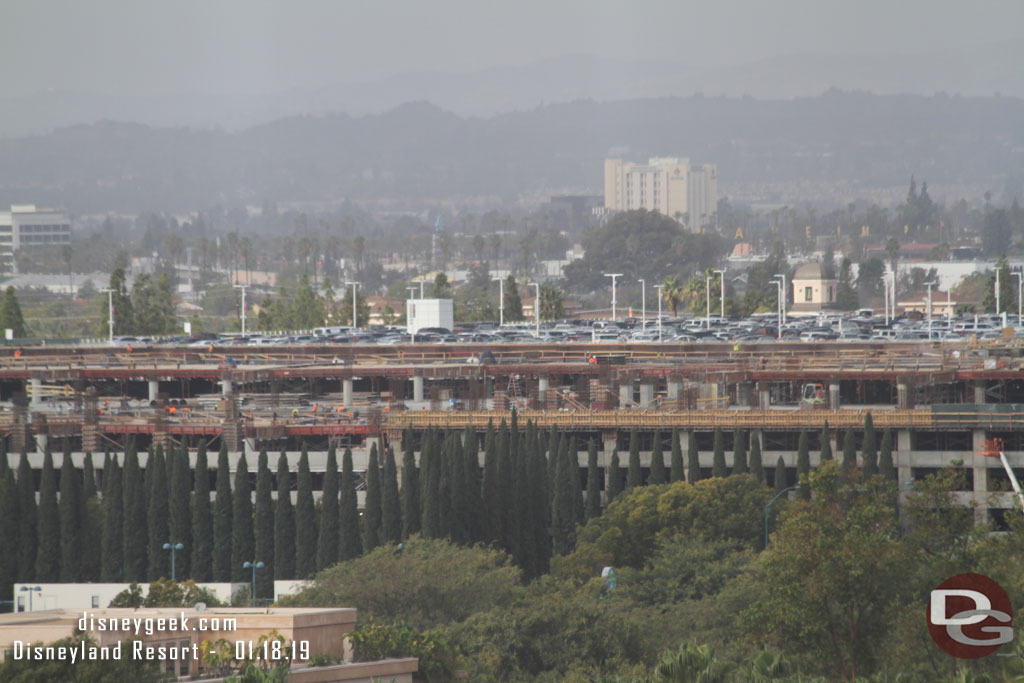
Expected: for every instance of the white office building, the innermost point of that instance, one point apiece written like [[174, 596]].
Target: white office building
[[668, 185], [28, 225]]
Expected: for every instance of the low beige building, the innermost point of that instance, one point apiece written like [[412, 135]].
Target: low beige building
[[813, 290]]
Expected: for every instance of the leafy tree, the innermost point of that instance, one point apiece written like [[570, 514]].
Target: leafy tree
[[362, 309], [718, 468], [614, 477], [29, 518], [122, 305], [996, 232], [307, 308], [693, 474], [222, 519], [739, 452], [98, 671], [1007, 288], [657, 473], [676, 471], [350, 544], [305, 520], [846, 295], [513, 304], [869, 280], [672, 293], [849, 450], [10, 314], [263, 527], [634, 476], [202, 519], [372, 511], [756, 463], [551, 302], [327, 543], [241, 522], [885, 462], [48, 548], [692, 662], [284, 523], [135, 531], [593, 508]]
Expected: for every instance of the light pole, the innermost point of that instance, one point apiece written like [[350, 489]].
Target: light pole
[[658, 287], [997, 290], [782, 298], [707, 295], [721, 302], [421, 288], [929, 285], [173, 547], [536, 307], [355, 312], [243, 288], [1020, 290], [501, 300], [613, 276], [885, 298], [253, 566], [110, 308], [778, 307], [643, 305], [30, 590], [768, 509], [408, 322]]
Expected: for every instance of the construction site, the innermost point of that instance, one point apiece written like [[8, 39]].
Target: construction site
[[941, 401]]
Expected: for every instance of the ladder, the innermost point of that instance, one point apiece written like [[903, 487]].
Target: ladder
[[514, 390]]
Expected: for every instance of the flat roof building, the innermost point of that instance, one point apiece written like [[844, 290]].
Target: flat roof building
[[668, 185], [28, 225]]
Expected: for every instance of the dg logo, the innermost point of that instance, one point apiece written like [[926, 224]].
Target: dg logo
[[970, 616]]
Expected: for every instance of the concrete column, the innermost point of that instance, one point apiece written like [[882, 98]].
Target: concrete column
[[833, 395], [901, 457], [980, 471], [417, 387], [646, 394], [36, 391], [542, 388], [226, 386], [979, 390], [41, 440], [764, 396], [903, 396], [626, 395], [675, 390], [154, 389], [346, 393], [745, 394]]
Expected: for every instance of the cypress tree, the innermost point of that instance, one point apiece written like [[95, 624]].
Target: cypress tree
[[634, 476], [156, 515], [284, 523], [756, 462], [48, 548], [263, 527], [430, 478], [869, 449], [657, 475], [180, 514], [9, 522], [113, 522], [539, 512], [135, 528], [886, 466], [593, 508], [327, 543], [475, 510], [739, 452], [693, 474], [241, 523], [826, 445], [677, 471], [71, 519], [849, 450], [88, 478], [372, 511], [305, 521], [507, 490], [410, 488], [223, 508], [614, 477], [718, 468], [577, 485], [803, 464], [563, 524], [202, 519], [27, 521], [391, 505], [780, 475], [92, 529], [350, 545], [489, 492]]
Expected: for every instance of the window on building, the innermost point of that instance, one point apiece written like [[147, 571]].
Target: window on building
[[95, 601], [808, 294]]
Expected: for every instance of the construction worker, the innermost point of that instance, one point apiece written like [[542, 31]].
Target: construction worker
[[592, 360], [129, 348], [295, 412]]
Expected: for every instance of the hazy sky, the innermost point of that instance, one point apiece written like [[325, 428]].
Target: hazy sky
[[267, 46]]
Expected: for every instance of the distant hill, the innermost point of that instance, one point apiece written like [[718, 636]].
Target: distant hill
[[418, 152]]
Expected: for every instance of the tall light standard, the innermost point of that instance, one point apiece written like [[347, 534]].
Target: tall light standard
[[768, 507], [1020, 290], [253, 566], [778, 307], [501, 300], [173, 547], [643, 305], [929, 285], [613, 276], [408, 321], [355, 311], [782, 298], [658, 287], [536, 307], [885, 298], [30, 590], [997, 290], [243, 288], [721, 274], [707, 296], [110, 308]]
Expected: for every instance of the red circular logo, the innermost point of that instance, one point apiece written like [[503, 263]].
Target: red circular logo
[[970, 616]]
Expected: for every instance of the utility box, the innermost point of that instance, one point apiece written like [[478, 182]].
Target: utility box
[[423, 313]]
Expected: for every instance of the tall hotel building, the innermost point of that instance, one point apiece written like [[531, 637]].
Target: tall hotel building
[[668, 185]]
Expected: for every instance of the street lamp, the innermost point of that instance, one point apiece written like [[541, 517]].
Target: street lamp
[[782, 299], [997, 290], [768, 509], [355, 312], [658, 287], [778, 286], [110, 318], [253, 566], [536, 307], [643, 305], [613, 276], [721, 273], [929, 285], [408, 322], [885, 298], [173, 547], [1020, 290], [707, 294], [501, 300], [31, 590], [243, 288]]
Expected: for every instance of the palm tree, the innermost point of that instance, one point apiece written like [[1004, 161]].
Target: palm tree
[[551, 307], [671, 293], [691, 663]]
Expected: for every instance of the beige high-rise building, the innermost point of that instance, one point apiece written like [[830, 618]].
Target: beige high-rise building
[[668, 185]]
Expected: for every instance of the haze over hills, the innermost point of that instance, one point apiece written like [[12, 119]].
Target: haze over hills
[[834, 147], [963, 70]]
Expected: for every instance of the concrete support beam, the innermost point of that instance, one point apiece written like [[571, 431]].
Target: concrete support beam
[[417, 387], [745, 394], [543, 384], [833, 395], [154, 389], [226, 386], [980, 472], [903, 400], [35, 392], [346, 393], [626, 395], [675, 390], [764, 396], [646, 394], [980, 387]]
